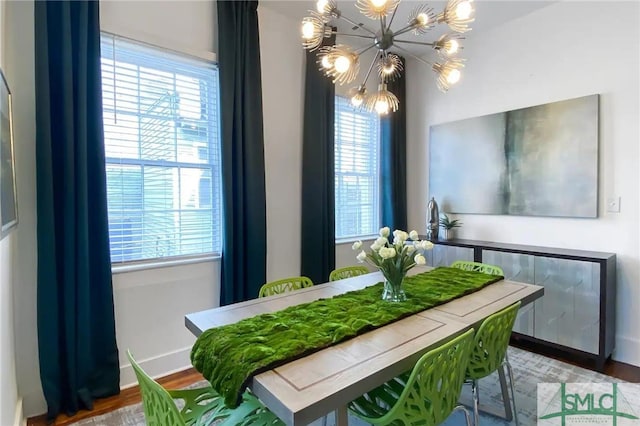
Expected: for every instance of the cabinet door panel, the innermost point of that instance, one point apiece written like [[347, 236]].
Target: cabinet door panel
[[516, 267], [569, 311], [442, 255]]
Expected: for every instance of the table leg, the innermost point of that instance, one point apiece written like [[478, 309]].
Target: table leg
[[342, 418]]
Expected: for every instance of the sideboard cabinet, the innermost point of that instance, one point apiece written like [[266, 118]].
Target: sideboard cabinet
[[575, 319]]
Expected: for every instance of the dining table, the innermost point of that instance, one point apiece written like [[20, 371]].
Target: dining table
[[310, 387]]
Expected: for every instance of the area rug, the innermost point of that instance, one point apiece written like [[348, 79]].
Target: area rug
[[529, 370]]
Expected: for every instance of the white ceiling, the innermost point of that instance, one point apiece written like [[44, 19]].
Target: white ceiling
[[489, 14]]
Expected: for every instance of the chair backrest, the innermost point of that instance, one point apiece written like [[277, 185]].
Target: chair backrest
[[347, 272], [478, 267], [491, 341], [159, 407], [433, 388], [284, 285]]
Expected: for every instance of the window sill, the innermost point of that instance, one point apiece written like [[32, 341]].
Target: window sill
[[351, 240], [159, 263]]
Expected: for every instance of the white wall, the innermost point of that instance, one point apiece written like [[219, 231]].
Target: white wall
[[10, 404], [566, 50], [19, 59], [282, 61]]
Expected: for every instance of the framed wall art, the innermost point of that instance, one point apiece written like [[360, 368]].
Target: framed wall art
[[535, 161], [8, 196]]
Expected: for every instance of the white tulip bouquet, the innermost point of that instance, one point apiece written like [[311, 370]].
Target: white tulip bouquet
[[394, 258]]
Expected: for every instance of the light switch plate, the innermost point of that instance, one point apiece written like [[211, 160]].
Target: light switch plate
[[613, 204]]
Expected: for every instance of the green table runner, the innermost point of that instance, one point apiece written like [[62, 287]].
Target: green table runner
[[230, 355]]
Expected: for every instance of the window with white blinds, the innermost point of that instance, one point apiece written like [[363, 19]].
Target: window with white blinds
[[162, 146], [357, 171]]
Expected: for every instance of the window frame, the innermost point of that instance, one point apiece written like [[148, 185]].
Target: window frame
[[213, 142], [376, 203]]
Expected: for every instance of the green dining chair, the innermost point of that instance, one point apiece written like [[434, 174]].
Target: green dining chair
[[489, 354], [348, 272], [427, 395], [478, 267], [284, 285], [202, 406]]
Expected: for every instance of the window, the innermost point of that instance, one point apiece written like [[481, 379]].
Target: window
[[357, 171], [162, 151]]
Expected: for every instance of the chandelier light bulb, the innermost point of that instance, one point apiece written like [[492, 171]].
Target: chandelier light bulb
[[423, 19], [458, 14], [448, 73], [453, 76], [463, 10], [358, 95], [321, 5], [382, 106], [376, 9], [308, 30], [342, 64], [326, 62], [357, 100], [452, 47], [343, 60], [389, 67], [383, 101]]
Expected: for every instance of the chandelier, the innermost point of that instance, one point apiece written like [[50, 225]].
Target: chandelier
[[342, 62]]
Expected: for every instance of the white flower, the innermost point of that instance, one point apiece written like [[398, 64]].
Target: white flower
[[379, 243], [413, 235], [410, 248], [361, 256], [387, 252], [419, 259], [424, 245], [356, 245], [384, 232], [399, 237]]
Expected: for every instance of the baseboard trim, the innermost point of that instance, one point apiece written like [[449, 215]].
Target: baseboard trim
[[157, 366], [19, 419], [627, 350]]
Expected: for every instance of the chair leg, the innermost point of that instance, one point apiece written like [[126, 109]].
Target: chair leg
[[467, 417], [513, 389], [506, 400], [476, 402]]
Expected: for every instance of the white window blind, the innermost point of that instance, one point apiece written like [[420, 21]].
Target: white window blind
[[357, 171], [162, 147]]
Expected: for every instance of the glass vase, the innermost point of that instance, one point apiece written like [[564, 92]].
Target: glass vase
[[393, 291]]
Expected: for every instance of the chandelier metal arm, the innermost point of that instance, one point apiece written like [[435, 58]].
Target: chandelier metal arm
[[404, 30], [354, 35], [381, 25], [366, 77], [357, 25], [418, 58], [393, 15], [364, 49], [422, 43]]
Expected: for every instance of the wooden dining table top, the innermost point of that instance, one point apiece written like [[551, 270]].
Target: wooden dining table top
[[305, 389]]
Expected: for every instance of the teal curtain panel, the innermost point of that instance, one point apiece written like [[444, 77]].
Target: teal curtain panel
[[318, 245], [244, 250], [76, 326], [393, 158]]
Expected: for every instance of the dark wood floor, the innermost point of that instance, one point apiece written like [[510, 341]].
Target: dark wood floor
[[185, 378]]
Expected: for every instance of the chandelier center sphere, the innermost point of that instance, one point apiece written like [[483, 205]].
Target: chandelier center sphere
[[384, 39]]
